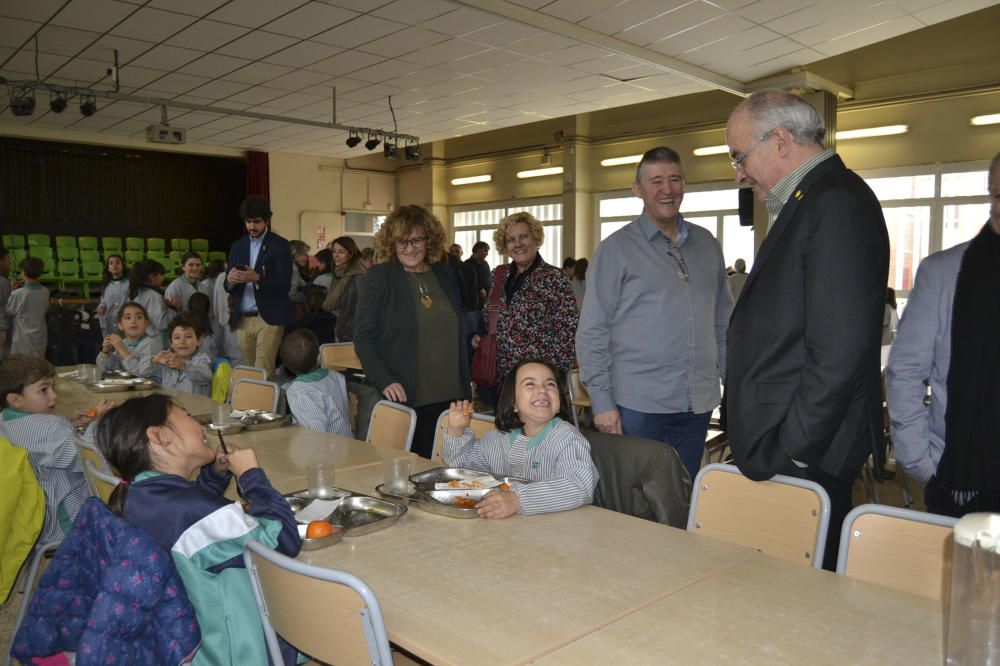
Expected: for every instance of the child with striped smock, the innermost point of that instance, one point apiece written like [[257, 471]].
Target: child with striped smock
[[114, 293], [145, 288], [179, 291], [184, 366], [134, 353], [27, 391], [316, 396], [532, 441], [26, 308]]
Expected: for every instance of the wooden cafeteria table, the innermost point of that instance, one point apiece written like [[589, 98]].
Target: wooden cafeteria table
[[508, 591], [761, 610]]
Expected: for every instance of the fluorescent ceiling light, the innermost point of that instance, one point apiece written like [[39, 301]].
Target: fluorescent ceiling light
[[711, 150], [991, 119], [468, 180], [617, 161], [534, 173], [872, 131]]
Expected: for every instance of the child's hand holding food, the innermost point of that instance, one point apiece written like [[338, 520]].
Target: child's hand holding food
[[459, 417]]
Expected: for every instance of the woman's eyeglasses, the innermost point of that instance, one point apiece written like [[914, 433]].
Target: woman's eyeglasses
[[415, 242]]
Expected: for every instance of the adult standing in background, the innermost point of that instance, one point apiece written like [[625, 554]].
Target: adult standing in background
[[455, 250], [408, 325], [537, 317], [803, 390], [342, 295], [5, 324], [260, 272], [890, 320], [948, 340], [652, 336], [738, 279], [579, 281]]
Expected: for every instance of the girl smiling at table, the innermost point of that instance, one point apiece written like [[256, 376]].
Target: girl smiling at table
[[135, 352], [531, 441]]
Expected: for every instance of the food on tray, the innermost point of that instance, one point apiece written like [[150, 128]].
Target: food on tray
[[465, 485], [504, 486], [318, 529], [91, 413], [465, 502]]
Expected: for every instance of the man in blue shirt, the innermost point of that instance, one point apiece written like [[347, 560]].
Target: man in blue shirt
[[260, 274], [652, 335]]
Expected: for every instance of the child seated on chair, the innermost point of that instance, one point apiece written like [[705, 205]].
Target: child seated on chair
[[183, 366], [156, 446], [134, 353], [317, 397], [27, 390], [533, 440]]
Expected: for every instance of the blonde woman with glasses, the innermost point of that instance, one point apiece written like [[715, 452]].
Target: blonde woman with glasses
[[408, 324]]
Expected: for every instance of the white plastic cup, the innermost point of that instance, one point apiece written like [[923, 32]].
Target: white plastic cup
[[397, 475], [319, 477], [221, 414]]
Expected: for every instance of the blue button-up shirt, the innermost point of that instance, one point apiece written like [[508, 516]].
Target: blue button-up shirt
[[248, 301], [652, 334]]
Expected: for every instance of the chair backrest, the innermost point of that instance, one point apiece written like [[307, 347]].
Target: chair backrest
[[255, 394], [135, 244], [156, 244], [784, 517], [12, 241], [180, 244], [133, 257], [900, 548], [244, 372], [65, 241], [101, 484], [87, 242], [111, 244], [69, 268], [41, 251], [480, 425], [339, 355], [392, 425], [302, 602], [90, 255], [199, 245], [216, 256], [66, 252], [35, 240]]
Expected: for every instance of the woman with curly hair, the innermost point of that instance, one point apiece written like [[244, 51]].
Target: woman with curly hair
[[537, 313], [408, 323]]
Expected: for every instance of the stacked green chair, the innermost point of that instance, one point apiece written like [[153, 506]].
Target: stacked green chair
[[68, 273], [87, 243], [175, 256], [157, 255], [48, 276], [156, 245], [93, 275], [13, 241], [132, 257], [217, 256], [89, 255], [111, 244], [135, 244], [43, 252], [17, 255], [65, 241], [67, 252], [199, 245], [39, 240], [181, 245]]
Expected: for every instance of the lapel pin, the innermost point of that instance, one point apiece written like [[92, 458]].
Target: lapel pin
[[798, 194]]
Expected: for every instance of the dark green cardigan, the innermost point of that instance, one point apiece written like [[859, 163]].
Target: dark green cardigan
[[385, 327]]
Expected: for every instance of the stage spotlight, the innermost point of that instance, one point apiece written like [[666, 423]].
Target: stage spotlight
[[412, 152], [22, 103], [353, 140], [390, 150], [88, 106], [372, 142], [58, 103]]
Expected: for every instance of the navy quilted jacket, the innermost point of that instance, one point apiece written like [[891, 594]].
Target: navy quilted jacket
[[112, 596]]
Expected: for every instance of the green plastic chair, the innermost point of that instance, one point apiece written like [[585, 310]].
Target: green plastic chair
[[135, 244], [69, 275], [43, 252], [93, 274], [175, 256], [111, 244], [87, 243], [133, 257], [181, 245], [39, 239], [48, 273], [17, 255], [157, 255], [89, 255], [199, 245], [220, 256], [156, 245], [67, 252], [65, 241], [13, 241]]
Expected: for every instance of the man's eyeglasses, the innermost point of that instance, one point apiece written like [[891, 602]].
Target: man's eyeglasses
[[417, 241], [737, 162]]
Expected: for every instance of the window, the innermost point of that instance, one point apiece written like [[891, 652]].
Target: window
[[713, 207], [478, 224], [927, 209]]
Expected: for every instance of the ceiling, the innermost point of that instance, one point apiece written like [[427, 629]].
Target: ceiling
[[451, 68]]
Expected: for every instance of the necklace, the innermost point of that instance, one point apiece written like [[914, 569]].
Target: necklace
[[425, 297]]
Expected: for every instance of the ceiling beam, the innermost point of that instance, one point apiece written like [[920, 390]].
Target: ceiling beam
[[640, 54]]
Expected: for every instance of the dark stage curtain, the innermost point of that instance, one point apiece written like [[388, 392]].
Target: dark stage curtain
[[80, 190], [258, 175]]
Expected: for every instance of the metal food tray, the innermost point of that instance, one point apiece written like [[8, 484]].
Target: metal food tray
[[445, 502], [116, 385], [264, 421], [357, 514], [225, 428], [117, 374]]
